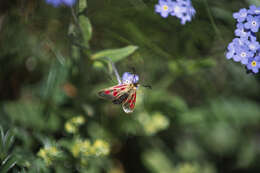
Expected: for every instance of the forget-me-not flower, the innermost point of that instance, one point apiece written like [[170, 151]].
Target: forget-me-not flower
[[164, 7], [254, 10], [245, 48], [128, 78], [69, 2], [231, 51], [181, 9], [241, 15], [254, 64], [252, 23], [253, 45], [241, 32], [242, 55], [57, 3]]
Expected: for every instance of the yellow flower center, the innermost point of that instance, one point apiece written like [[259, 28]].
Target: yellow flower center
[[253, 63], [165, 7]]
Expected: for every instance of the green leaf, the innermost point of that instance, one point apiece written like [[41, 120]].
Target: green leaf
[[82, 5], [206, 63], [72, 30], [6, 142], [8, 163], [57, 77], [115, 54], [86, 28]]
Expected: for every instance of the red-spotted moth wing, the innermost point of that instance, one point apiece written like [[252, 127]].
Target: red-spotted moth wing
[[129, 103], [121, 94], [115, 92]]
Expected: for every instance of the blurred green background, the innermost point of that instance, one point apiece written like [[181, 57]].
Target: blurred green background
[[202, 115]]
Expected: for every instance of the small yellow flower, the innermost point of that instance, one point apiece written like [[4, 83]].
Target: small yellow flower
[[81, 147], [48, 154], [78, 120], [53, 151], [42, 153], [86, 147], [70, 128], [100, 148]]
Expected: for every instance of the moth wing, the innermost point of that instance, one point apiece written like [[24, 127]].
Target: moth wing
[[129, 104], [113, 92]]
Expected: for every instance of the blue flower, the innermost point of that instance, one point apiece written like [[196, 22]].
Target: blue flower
[[185, 19], [254, 64], [238, 42], [254, 10], [241, 32], [242, 55], [57, 3], [252, 23], [181, 9], [253, 45], [69, 2], [231, 51], [245, 48], [252, 36], [177, 10], [128, 78], [164, 7], [241, 15]]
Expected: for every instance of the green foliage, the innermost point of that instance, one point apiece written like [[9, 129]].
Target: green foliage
[[85, 25], [82, 5], [72, 125], [7, 159], [115, 54], [202, 114]]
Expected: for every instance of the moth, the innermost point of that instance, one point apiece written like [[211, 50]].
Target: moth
[[124, 93]]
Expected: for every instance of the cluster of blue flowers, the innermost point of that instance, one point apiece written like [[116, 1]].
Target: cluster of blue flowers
[[57, 3], [245, 48], [182, 9]]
